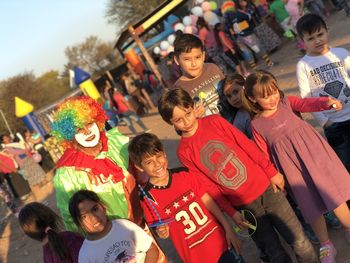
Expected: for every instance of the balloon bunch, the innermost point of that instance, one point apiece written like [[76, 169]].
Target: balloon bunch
[[165, 46], [206, 9]]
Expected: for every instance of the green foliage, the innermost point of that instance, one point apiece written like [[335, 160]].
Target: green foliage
[[93, 55], [39, 92], [124, 12]]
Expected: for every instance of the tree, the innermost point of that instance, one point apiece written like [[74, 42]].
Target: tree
[[39, 92], [92, 55], [124, 12]]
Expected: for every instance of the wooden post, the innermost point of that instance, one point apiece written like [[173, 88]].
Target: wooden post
[[147, 56]]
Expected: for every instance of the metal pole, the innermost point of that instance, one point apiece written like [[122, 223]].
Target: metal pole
[[6, 123]]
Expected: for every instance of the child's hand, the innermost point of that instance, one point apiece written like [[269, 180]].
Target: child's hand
[[334, 104], [277, 182], [239, 220], [163, 231], [199, 110], [233, 241]]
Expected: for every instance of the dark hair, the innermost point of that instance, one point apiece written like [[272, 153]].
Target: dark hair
[[216, 34], [39, 221], [144, 145], [173, 98], [76, 199], [310, 23], [261, 83], [227, 110], [111, 93], [231, 79], [201, 23], [185, 43]]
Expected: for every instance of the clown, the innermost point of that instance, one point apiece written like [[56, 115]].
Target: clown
[[94, 160]]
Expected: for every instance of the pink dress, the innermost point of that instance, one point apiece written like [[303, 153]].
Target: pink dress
[[293, 10], [315, 176]]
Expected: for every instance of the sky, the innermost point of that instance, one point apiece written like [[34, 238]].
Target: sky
[[35, 33]]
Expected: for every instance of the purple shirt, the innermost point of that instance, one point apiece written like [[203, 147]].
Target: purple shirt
[[72, 240]]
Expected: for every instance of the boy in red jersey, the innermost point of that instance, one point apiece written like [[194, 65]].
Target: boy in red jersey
[[177, 197], [221, 156]]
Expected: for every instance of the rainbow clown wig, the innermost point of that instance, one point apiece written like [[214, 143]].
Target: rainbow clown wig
[[73, 114]]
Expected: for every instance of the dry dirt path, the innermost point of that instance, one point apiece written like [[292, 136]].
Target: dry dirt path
[[15, 247]]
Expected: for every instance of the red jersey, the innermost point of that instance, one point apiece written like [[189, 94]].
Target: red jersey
[[221, 154], [192, 227]]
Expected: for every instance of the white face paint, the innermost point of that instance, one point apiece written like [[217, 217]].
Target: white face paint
[[90, 137]]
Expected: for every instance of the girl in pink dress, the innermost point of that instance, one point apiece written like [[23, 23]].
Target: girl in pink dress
[[316, 177]]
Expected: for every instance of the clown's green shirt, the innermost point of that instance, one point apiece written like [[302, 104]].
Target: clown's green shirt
[[69, 180]]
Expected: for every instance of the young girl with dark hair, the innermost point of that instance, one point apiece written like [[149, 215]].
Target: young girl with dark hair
[[40, 223], [119, 240], [230, 49], [207, 35]]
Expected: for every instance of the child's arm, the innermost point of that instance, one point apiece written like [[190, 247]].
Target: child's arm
[[152, 254], [314, 104], [224, 42], [163, 231], [305, 91], [231, 238]]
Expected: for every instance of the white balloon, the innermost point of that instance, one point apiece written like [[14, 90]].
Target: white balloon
[[156, 50], [171, 39], [211, 18], [187, 20], [199, 1], [164, 45], [197, 11], [170, 49], [179, 26]]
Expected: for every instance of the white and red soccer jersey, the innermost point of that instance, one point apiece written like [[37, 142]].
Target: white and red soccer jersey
[[193, 230]]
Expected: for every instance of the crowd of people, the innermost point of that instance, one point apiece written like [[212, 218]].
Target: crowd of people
[[243, 145]]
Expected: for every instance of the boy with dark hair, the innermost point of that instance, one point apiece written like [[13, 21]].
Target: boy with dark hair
[[178, 196], [216, 151], [199, 79], [324, 72]]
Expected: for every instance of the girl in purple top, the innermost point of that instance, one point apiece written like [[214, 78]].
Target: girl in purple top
[[39, 222], [316, 177]]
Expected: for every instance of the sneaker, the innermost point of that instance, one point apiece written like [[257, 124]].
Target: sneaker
[[332, 221], [328, 254]]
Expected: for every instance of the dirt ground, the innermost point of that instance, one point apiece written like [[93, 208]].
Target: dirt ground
[[15, 247]]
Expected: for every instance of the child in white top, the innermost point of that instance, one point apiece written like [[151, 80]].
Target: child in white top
[[324, 72], [108, 241]]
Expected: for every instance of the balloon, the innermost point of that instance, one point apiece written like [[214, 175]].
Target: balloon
[[194, 20], [188, 30], [197, 11], [163, 53], [227, 6], [198, 2], [156, 50], [164, 45], [211, 18], [187, 20], [213, 5], [205, 6], [179, 26], [171, 39], [170, 49]]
